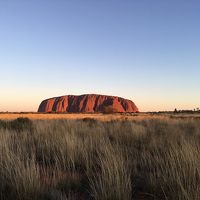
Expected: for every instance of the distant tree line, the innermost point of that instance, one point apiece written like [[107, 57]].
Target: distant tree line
[[195, 110]]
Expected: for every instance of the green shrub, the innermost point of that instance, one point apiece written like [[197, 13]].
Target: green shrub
[[109, 110], [18, 124], [3, 124]]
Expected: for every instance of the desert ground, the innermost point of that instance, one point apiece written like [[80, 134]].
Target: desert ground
[[97, 116], [138, 156]]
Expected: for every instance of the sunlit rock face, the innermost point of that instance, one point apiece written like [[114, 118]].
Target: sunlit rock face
[[87, 103]]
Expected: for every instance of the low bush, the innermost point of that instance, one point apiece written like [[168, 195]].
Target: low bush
[[18, 124], [109, 110]]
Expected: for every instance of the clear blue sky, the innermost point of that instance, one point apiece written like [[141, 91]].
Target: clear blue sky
[[148, 51]]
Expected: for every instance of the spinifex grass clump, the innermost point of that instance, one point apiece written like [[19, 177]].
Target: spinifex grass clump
[[3, 124], [18, 124], [21, 124], [90, 159]]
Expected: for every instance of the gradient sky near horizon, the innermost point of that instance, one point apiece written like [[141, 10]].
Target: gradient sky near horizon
[[147, 51]]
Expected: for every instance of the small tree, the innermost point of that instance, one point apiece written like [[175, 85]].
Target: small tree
[[175, 110]]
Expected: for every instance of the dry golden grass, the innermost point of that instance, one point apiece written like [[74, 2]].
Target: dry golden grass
[[115, 158], [97, 116], [35, 116]]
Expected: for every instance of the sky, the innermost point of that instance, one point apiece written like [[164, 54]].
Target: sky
[[146, 51]]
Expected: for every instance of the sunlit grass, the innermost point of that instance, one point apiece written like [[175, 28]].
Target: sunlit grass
[[153, 158]]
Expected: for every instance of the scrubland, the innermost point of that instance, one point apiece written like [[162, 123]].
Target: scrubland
[[83, 159]]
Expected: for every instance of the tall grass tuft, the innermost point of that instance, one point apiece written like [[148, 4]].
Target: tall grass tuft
[[112, 178]]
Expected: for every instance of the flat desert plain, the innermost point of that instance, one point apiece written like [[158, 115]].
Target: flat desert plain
[[97, 116]]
